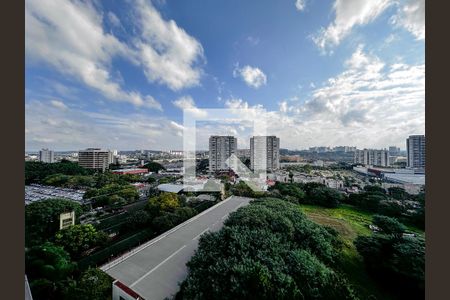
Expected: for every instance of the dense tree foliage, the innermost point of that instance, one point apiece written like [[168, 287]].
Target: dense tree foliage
[[170, 219], [396, 262], [138, 219], [164, 202], [309, 193], [112, 194], [267, 250], [48, 261], [389, 225], [48, 267], [407, 208], [242, 189], [35, 172], [42, 218], [398, 193], [93, 284], [79, 238], [154, 167]]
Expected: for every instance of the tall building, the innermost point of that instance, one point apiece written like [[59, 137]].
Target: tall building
[[95, 158], [394, 150], [220, 149], [415, 148], [264, 153], [372, 157], [46, 156]]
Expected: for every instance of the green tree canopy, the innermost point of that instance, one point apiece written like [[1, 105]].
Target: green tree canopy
[[93, 284], [42, 218], [266, 250], [389, 225], [35, 172], [48, 261], [154, 167], [164, 202], [79, 238]]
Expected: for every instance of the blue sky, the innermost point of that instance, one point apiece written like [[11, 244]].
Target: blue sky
[[117, 74]]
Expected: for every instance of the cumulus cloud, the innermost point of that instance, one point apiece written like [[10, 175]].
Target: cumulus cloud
[[412, 17], [252, 76], [186, 102], [73, 129], [300, 5], [168, 54], [348, 14], [369, 104], [58, 104], [69, 37]]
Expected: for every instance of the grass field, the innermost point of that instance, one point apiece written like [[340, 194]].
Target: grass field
[[350, 222]]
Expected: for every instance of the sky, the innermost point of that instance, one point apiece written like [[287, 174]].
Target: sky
[[118, 74]]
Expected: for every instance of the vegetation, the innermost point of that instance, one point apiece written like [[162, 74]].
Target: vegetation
[[308, 193], [79, 238], [35, 172], [409, 209], [242, 189], [112, 195], [42, 218], [93, 284], [154, 167], [396, 261], [267, 250]]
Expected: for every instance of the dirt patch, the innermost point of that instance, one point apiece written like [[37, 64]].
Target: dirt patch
[[340, 225]]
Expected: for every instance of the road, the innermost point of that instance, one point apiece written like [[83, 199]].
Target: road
[[154, 269]]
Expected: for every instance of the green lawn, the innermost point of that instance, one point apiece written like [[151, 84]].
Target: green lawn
[[350, 222]]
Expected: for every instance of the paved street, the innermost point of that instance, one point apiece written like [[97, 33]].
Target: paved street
[[154, 269]]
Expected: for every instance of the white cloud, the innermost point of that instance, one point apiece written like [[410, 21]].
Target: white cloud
[[69, 37], [113, 19], [283, 106], [168, 54], [252, 76], [73, 129], [412, 17], [253, 40], [348, 13], [300, 5], [186, 102], [58, 104], [369, 104]]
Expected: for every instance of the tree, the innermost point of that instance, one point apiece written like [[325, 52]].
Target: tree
[[165, 202], [398, 263], [48, 261], [35, 172], [153, 167], [79, 238], [398, 193], [325, 196], [42, 218], [291, 177], [93, 284], [138, 219], [264, 251], [389, 225]]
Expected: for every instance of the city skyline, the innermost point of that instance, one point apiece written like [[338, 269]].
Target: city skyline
[[118, 74]]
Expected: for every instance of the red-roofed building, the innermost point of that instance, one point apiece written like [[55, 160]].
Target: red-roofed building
[[130, 171]]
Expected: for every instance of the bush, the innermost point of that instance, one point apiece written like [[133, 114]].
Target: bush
[[389, 225]]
